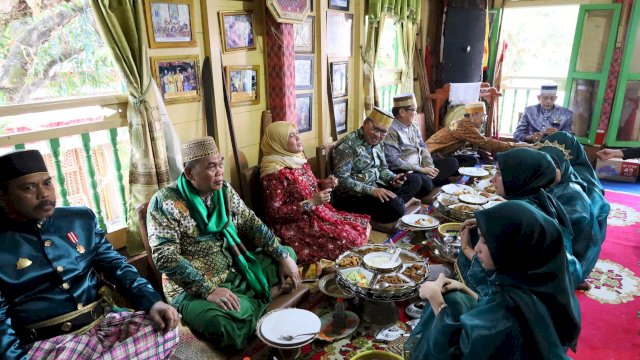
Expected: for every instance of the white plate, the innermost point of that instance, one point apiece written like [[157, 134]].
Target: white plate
[[473, 171], [290, 322], [474, 208], [280, 346], [473, 199], [492, 204], [458, 189], [420, 221]]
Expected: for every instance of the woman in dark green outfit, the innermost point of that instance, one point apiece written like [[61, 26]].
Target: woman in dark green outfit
[[523, 174], [532, 313], [581, 165], [570, 192]]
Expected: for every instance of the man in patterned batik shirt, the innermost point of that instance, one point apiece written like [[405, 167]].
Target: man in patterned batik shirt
[[52, 259], [543, 119], [405, 151], [466, 131], [195, 228], [365, 183]]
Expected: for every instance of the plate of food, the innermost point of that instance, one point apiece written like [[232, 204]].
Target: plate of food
[[420, 221], [465, 208], [446, 199], [473, 199], [473, 171], [458, 189], [359, 276]]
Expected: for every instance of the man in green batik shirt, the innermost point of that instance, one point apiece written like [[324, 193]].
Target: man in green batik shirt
[[195, 226]]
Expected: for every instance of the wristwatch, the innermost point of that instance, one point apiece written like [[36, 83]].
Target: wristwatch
[[306, 206]]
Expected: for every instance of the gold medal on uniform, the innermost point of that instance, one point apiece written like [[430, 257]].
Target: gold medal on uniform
[[23, 263], [74, 240]]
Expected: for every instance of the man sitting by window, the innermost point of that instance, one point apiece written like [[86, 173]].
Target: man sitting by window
[[448, 140], [365, 183], [405, 151], [195, 226], [544, 118], [50, 306]]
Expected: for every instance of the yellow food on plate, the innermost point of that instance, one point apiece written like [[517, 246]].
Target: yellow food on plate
[[423, 222], [358, 278]]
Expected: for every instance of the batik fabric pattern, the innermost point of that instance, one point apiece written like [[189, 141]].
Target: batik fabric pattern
[[460, 133], [195, 263], [359, 167], [323, 231]]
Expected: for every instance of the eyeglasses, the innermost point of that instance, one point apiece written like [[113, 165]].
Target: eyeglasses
[[377, 130], [545, 98], [411, 109]]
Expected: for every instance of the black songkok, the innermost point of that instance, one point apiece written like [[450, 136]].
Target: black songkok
[[20, 163]]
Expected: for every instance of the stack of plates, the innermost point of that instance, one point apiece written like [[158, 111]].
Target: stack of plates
[[289, 321], [419, 221]]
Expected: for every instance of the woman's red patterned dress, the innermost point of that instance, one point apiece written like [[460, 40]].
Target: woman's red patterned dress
[[323, 232]]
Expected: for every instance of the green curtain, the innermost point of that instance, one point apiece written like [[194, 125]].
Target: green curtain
[[122, 27], [406, 14]]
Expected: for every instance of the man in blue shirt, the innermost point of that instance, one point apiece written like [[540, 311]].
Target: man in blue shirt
[[544, 118], [53, 258]]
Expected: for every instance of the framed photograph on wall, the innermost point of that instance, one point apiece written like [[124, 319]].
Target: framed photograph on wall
[[340, 111], [339, 5], [170, 23], [177, 77], [339, 33], [243, 84], [237, 30], [304, 113], [304, 72], [339, 78], [303, 36]]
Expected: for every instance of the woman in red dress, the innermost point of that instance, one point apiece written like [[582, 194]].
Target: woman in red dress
[[297, 203]]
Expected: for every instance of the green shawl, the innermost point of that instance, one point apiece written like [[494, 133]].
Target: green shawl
[[219, 221]]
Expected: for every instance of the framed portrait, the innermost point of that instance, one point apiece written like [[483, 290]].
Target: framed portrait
[[304, 72], [339, 33], [303, 36], [340, 111], [289, 11], [237, 30], [339, 78], [339, 5], [243, 84], [170, 23], [177, 78], [304, 113]]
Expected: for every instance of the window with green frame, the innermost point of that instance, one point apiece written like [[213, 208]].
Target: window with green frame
[[624, 127], [389, 64]]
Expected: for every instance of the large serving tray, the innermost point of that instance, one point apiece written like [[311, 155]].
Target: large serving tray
[[351, 266]]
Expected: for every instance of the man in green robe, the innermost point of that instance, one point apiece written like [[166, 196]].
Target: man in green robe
[[195, 225]]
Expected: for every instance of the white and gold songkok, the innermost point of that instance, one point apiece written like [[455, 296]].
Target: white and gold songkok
[[381, 117], [404, 100], [198, 148]]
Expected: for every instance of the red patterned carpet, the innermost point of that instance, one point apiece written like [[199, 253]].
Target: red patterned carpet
[[611, 309]]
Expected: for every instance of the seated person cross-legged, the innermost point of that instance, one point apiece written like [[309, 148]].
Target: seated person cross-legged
[[405, 151], [297, 204], [448, 140], [51, 305], [365, 183], [543, 119], [197, 226], [532, 313]]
